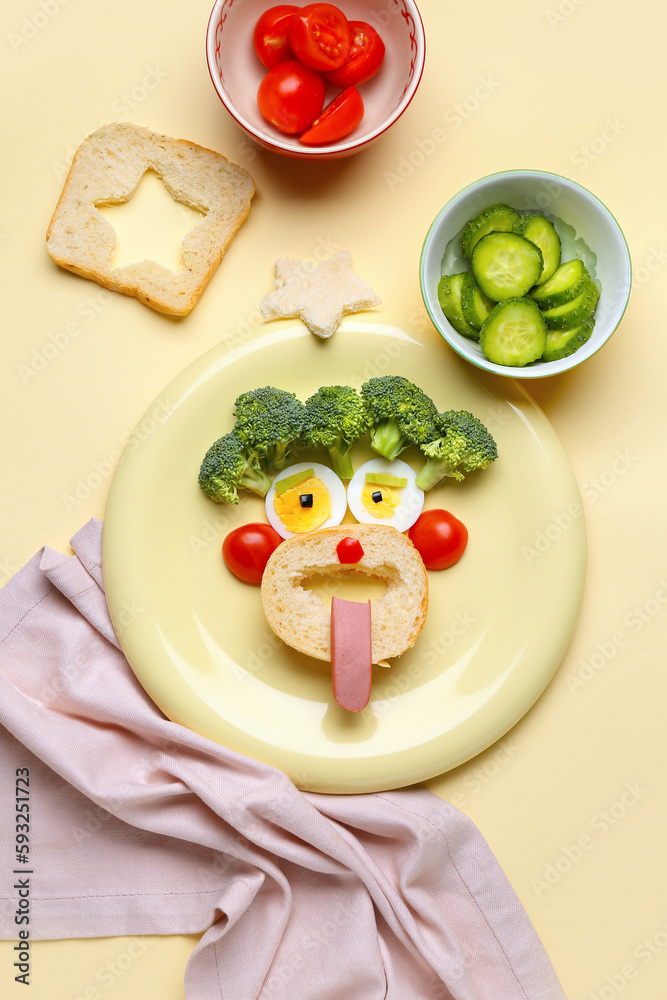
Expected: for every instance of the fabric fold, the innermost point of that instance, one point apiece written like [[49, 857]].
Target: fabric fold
[[141, 826]]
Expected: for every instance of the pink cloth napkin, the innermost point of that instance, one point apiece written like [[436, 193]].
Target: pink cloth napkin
[[139, 826]]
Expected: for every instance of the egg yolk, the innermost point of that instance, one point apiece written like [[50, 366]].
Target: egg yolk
[[297, 518], [391, 498]]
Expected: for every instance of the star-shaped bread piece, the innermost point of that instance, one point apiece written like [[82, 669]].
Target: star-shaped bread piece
[[320, 294]]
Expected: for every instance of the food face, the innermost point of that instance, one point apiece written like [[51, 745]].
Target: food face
[[305, 497]]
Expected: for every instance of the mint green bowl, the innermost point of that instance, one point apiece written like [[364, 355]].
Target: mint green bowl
[[587, 229]]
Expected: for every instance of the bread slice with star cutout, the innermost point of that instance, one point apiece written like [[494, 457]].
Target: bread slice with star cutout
[[107, 169]]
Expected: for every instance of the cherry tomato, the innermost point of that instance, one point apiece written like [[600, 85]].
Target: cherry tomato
[[365, 58], [270, 37], [291, 96], [246, 550], [337, 120], [320, 36], [349, 550], [439, 537]]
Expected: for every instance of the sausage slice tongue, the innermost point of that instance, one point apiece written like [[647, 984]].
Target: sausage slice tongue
[[351, 653]]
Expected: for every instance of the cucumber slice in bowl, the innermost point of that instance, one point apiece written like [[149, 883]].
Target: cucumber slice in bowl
[[449, 297], [574, 312], [563, 286], [474, 303], [542, 233], [506, 266], [562, 343], [496, 218], [514, 333]]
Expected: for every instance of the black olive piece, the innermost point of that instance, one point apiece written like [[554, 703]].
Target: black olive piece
[[306, 499], [377, 496]]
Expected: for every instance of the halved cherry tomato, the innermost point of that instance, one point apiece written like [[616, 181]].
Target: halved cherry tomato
[[246, 550], [291, 96], [271, 35], [439, 537], [320, 36], [337, 120], [365, 58]]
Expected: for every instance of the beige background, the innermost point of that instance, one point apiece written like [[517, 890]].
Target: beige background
[[573, 800]]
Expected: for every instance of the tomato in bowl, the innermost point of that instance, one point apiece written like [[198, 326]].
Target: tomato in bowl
[[320, 36], [236, 72], [270, 38]]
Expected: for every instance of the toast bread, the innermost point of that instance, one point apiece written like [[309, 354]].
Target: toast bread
[[107, 169]]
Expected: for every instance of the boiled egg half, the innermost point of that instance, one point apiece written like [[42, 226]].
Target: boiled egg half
[[305, 497], [383, 492]]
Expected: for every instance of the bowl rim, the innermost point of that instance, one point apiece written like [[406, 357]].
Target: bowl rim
[[545, 368], [331, 149]]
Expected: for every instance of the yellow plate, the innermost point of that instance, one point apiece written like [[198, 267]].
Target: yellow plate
[[498, 622]]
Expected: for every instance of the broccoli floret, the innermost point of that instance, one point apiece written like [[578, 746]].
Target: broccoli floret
[[463, 444], [402, 414], [227, 467], [336, 416], [269, 421]]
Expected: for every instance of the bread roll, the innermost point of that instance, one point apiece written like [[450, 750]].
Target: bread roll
[[302, 619]]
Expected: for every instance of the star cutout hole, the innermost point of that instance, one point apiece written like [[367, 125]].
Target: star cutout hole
[[151, 225]]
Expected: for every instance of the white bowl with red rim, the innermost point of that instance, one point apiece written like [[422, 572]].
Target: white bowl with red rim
[[236, 72]]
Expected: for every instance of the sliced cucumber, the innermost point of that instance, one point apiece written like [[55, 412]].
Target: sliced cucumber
[[563, 286], [496, 218], [449, 296], [474, 303], [505, 265], [573, 313], [562, 343], [514, 333], [541, 232]]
